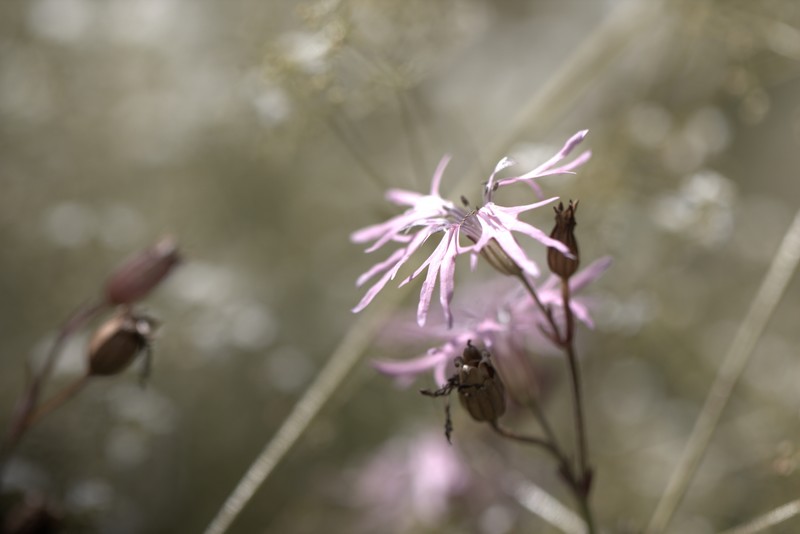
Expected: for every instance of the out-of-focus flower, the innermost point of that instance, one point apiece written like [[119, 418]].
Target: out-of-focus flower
[[489, 227], [510, 322], [140, 274], [409, 483]]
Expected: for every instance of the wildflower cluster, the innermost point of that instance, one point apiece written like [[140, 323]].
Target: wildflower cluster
[[491, 352], [490, 229]]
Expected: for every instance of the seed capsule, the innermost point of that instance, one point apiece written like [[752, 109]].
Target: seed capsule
[[480, 390], [140, 274], [564, 231], [118, 342]]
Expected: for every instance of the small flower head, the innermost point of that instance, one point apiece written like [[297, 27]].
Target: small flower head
[[562, 264], [140, 274], [491, 229]]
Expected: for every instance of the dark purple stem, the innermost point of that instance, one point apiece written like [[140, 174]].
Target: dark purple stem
[[29, 400]]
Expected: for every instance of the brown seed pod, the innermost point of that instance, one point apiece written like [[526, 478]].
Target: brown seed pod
[[140, 274], [480, 390], [564, 231], [118, 342]]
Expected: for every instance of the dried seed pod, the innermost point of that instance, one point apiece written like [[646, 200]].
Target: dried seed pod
[[118, 342], [564, 231], [480, 390], [140, 274]]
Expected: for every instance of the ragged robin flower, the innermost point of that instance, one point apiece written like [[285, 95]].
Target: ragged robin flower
[[489, 228], [506, 323]]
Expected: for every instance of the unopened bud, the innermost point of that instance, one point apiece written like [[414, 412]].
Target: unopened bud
[[494, 254], [140, 274], [564, 231], [118, 342], [32, 516], [480, 390]]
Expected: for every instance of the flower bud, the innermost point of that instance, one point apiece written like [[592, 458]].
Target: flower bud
[[140, 274], [118, 342], [494, 254], [564, 231], [480, 390]]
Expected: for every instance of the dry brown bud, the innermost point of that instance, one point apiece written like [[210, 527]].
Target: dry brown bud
[[118, 342], [140, 274], [564, 231], [480, 390]]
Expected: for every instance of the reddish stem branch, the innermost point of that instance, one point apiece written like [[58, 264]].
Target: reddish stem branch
[[29, 400]]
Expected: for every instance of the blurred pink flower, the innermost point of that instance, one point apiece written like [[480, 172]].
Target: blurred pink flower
[[430, 214], [512, 320], [409, 483]]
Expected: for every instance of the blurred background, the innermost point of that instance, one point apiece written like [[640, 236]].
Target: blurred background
[[261, 134]]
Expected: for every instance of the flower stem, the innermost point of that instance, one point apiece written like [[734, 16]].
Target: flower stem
[[58, 400], [341, 361], [545, 424], [531, 440], [29, 400], [574, 481], [580, 481], [577, 395], [763, 306]]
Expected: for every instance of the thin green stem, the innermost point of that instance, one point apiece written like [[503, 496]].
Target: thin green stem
[[536, 500], [318, 393], [768, 520], [752, 327]]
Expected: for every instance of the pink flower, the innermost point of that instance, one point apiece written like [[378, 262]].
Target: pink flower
[[485, 226], [409, 483], [510, 321]]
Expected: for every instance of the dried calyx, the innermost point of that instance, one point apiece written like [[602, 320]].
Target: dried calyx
[[119, 341], [480, 390], [564, 231]]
